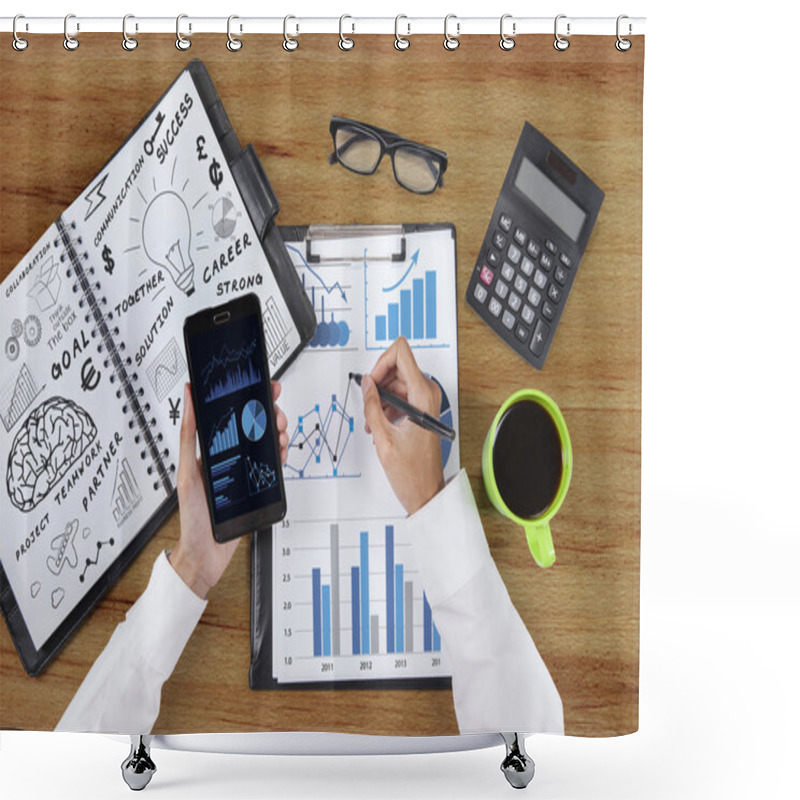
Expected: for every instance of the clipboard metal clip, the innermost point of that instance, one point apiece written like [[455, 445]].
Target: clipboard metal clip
[[352, 242]]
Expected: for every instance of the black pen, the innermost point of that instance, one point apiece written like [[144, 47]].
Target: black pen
[[418, 417]]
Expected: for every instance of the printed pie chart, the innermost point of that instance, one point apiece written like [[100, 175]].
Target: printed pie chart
[[254, 420], [445, 416]]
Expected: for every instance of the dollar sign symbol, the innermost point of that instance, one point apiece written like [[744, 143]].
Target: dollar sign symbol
[[109, 267], [215, 174]]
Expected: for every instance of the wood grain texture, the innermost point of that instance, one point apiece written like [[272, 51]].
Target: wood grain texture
[[62, 115]]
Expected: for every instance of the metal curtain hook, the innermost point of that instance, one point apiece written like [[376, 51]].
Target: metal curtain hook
[[128, 42], [290, 44], [182, 43], [70, 42], [345, 42], [400, 42], [451, 42], [19, 43], [233, 44], [506, 42], [560, 42], [623, 44]]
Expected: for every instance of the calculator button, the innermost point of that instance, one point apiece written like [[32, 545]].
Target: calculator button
[[550, 245], [534, 249], [520, 284], [514, 254], [493, 257], [514, 301], [487, 276], [507, 272], [565, 260], [534, 298], [499, 240], [480, 293], [522, 332], [554, 293], [495, 307], [546, 262], [520, 237], [548, 311], [528, 314], [501, 289], [561, 275], [508, 320], [539, 338], [540, 279], [505, 222], [527, 266]]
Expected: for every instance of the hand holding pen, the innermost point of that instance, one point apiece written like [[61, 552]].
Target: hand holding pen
[[411, 456]]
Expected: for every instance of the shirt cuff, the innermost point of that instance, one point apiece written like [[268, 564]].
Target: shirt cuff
[[449, 544], [165, 616]]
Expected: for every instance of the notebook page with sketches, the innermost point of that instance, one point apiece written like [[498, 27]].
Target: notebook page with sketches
[[343, 541]]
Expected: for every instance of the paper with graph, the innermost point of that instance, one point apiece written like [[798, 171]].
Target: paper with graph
[[347, 600]]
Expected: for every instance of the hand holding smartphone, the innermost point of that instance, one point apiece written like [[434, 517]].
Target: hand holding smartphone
[[234, 409]]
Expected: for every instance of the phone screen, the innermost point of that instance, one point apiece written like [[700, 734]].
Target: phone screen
[[233, 407]]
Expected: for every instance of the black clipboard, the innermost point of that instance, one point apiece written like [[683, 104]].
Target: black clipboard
[[262, 206], [261, 567]]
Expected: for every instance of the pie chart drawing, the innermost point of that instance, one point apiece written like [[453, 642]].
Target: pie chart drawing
[[446, 417], [254, 420]]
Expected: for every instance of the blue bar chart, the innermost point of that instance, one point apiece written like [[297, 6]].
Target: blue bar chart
[[224, 434], [353, 605], [413, 315]]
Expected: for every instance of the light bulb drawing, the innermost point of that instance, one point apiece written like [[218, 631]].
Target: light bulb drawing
[[166, 235]]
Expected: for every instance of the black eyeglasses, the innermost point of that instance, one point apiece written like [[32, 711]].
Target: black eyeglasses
[[360, 147]]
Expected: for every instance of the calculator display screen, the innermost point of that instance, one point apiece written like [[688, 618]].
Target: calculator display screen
[[546, 196]]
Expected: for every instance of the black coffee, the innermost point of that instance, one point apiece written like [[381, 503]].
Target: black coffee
[[527, 459]]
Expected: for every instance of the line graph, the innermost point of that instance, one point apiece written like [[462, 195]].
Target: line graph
[[259, 476], [166, 369], [328, 301], [224, 434], [319, 441], [229, 371]]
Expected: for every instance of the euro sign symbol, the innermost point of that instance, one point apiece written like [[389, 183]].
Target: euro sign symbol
[[201, 140], [90, 377], [109, 267], [215, 174]]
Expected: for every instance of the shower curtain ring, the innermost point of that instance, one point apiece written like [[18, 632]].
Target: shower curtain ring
[[233, 44], [182, 43], [507, 42], [345, 42], [19, 43], [128, 42], [623, 44], [290, 44], [70, 42], [400, 42], [560, 42], [451, 42]]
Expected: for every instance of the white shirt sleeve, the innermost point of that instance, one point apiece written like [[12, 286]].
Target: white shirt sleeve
[[500, 682], [122, 691]]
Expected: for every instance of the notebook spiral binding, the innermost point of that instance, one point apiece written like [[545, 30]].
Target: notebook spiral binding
[[113, 349]]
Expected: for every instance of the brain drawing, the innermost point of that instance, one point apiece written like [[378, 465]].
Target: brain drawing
[[50, 441]]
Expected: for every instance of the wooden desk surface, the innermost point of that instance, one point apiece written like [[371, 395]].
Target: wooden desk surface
[[63, 114]]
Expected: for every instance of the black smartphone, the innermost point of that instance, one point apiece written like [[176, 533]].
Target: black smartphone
[[233, 405]]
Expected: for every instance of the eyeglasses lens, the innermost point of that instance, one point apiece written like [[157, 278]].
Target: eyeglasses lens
[[356, 149], [415, 169]]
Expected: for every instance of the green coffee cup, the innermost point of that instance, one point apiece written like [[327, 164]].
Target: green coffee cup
[[527, 466]]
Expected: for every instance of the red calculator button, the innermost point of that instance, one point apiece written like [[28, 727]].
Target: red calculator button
[[487, 276]]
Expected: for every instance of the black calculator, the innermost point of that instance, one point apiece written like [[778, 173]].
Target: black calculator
[[530, 254]]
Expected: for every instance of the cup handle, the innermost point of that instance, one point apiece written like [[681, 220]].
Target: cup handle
[[540, 542]]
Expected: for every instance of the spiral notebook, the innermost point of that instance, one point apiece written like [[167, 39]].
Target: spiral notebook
[[93, 365]]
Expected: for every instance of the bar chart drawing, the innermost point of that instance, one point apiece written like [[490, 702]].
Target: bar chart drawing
[[224, 434], [275, 329], [228, 371], [18, 396], [126, 494], [401, 307], [318, 443], [354, 605]]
